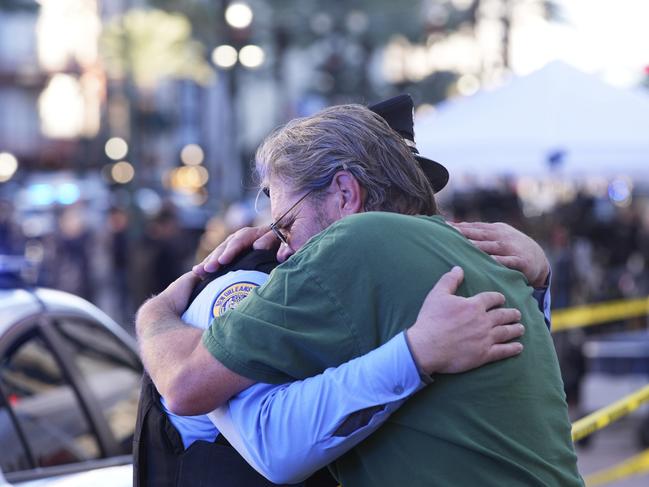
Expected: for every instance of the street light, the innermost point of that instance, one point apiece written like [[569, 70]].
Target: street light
[[251, 56], [192, 155], [122, 172], [188, 179], [116, 148], [238, 15], [224, 56], [8, 166]]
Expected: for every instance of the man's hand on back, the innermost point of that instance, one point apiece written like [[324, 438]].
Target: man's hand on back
[[455, 334], [510, 247]]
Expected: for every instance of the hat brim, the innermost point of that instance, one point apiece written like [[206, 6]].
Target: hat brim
[[434, 171]]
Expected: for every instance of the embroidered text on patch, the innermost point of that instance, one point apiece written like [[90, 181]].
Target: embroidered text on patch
[[231, 296]]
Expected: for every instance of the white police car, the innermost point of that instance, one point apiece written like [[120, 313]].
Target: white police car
[[69, 387]]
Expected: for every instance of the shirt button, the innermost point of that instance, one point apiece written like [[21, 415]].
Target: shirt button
[[398, 390]]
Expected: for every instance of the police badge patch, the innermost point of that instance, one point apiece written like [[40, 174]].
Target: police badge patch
[[231, 296]]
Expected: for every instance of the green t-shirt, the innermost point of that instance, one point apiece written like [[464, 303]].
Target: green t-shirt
[[357, 284]]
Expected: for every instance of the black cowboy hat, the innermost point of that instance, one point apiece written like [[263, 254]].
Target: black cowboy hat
[[399, 113]]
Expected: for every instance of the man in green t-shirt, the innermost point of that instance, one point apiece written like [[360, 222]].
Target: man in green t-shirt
[[357, 217]]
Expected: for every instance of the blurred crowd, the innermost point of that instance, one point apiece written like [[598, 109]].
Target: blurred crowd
[[598, 248], [116, 259]]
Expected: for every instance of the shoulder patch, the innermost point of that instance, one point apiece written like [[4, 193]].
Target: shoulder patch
[[231, 296]]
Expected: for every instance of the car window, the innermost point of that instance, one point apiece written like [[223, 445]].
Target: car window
[[45, 406], [14, 458], [112, 371]]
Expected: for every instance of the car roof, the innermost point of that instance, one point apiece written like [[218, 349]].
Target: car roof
[[18, 304], [15, 305]]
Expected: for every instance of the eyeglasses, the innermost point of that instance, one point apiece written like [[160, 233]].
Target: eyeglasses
[[274, 226]]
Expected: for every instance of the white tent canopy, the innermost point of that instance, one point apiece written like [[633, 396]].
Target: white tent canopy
[[599, 129]]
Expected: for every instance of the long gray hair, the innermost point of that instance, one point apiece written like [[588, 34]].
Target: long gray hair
[[307, 152]]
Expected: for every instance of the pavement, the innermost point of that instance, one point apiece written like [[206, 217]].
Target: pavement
[[618, 441]]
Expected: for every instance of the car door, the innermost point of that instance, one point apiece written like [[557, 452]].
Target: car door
[[42, 415], [65, 384], [109, 376]]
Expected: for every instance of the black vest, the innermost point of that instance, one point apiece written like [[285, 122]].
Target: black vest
[[159, 456]]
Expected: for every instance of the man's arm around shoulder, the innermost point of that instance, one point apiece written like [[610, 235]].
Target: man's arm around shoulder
[[185, 373]]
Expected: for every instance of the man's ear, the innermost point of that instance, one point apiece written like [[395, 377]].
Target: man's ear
[[351, 196]]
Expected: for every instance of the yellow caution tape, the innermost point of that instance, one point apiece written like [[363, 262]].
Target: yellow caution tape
[[633, 466], [596, 314], [605, 416]]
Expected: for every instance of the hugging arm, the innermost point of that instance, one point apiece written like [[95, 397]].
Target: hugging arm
[[287, 432], [515, 250], [184, 372]]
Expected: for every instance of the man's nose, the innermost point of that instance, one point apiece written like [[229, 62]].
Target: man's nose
[[284, 252]]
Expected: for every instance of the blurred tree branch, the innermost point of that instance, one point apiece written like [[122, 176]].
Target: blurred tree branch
[[204, 16], [150, 45], [342, 50]]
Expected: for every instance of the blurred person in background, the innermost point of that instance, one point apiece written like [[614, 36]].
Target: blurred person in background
[[12, 240], [118, 227], [168, 257], [161, 255], [567, 343], [74, 242], [641, 264], [561, 260]]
